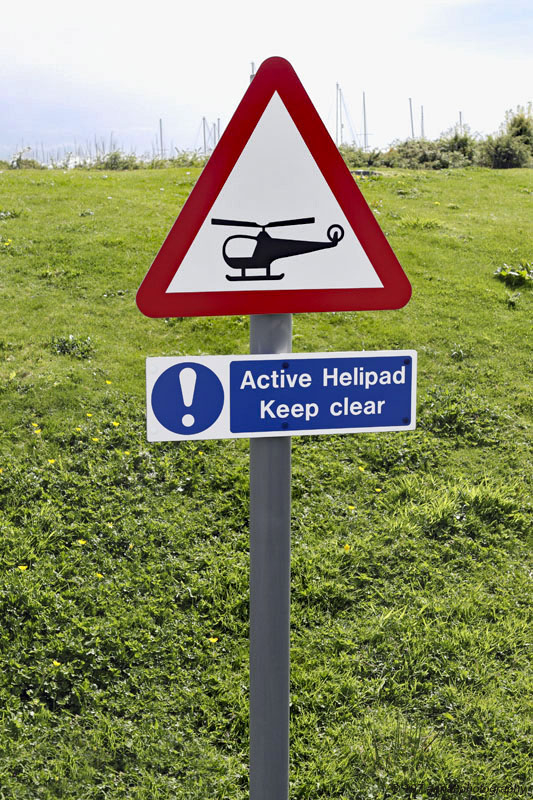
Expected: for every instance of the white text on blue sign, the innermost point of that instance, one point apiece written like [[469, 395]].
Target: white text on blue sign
[[280, 395]]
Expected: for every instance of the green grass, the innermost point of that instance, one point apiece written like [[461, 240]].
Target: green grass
[[121, 560]]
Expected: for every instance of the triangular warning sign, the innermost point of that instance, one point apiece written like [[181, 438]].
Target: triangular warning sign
[[275, 223]]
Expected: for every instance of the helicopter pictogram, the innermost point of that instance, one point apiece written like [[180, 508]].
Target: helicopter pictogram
[[267, 249]]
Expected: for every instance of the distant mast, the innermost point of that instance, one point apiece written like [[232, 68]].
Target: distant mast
[[365, 135], [337, 114]]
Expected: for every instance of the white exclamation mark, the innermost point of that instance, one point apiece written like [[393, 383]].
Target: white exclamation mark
[[187, 384]]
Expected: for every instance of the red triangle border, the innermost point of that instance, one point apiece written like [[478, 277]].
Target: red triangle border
[[274, 75]]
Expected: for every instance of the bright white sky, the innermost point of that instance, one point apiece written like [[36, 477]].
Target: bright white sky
[[73, 71]]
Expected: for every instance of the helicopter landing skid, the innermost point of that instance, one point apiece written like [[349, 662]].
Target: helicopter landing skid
[[245, 277]]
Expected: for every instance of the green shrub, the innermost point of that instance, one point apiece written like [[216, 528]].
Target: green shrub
[[19, 162], [503, 152], [513, 147], [513, 299], [519, 124], [25, 163], [9, 213], [72, 346], [459, 144], [117, 160], [417, 153], [30, 163], [356, 157], [187, 158], [516, 276], [157, 163]]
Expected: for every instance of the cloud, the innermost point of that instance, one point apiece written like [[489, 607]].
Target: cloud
[[119, 66]]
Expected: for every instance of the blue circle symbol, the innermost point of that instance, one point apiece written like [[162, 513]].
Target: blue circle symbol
[[187, 398]]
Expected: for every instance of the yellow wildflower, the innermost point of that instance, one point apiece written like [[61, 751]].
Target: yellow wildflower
[[37, 430], [213, 639], [51, 461], [116, 424], [78, 429], [22, 567], [126, 452], [108, 383], [94, 438], [81, 541], [89, 414], [361, 468], [99, 575], [35, 425], [56, 663], [347, 548], [351, 508], [379, 490]]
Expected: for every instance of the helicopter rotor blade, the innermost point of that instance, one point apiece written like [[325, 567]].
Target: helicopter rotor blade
[[282, 222], [276, 224], [239, 222]]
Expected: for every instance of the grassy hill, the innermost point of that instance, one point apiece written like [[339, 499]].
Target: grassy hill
[[124, 565]]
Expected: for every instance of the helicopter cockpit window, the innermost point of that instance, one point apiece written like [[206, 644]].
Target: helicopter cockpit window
[[241, 247]]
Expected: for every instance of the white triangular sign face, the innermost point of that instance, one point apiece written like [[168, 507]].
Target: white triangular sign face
[[275, 178], [276, 223]]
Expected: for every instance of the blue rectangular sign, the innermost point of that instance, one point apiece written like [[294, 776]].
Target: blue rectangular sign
[[325, 393], [221, 397]]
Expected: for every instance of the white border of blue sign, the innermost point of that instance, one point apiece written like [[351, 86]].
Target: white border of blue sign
[[220, 366]]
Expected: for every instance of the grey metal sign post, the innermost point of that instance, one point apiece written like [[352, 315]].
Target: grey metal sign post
[[270, 513]]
